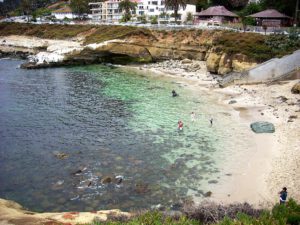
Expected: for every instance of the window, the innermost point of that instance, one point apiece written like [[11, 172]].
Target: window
[[154, 3], [151, 10]]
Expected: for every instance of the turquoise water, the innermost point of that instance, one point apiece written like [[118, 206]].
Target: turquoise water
[[110, 122]]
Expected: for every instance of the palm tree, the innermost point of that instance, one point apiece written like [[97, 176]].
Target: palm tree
[[127, 5], [175, 4]]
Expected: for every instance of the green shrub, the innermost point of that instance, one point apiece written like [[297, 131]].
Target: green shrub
[[153, 20], [152, 218]]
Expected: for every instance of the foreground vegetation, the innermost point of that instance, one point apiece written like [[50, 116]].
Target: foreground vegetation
[[239, 214]]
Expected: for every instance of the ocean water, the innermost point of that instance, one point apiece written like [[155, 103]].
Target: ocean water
[[109, 122]]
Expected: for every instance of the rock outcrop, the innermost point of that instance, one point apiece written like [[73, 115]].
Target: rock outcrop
[[136, 47], [13, 213], [213, 61]]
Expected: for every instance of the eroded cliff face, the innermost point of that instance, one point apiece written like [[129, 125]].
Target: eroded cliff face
[[135, 47]]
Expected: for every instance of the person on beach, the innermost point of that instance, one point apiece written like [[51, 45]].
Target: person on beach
[[180, 125], [193, 116], [283, 196], [211, 121], [174, 94]]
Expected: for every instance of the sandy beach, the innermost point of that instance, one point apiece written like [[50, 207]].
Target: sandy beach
[[271, 161]]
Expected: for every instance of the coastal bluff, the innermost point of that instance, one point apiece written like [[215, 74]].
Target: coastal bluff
[[58, 45], [13, 213]]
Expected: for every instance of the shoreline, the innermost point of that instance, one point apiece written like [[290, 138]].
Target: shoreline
[[278, 157], [265, 166]]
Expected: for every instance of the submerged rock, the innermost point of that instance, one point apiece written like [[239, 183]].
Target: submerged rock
[[61, 155], [141, 188], [262, 127], [106, 180]]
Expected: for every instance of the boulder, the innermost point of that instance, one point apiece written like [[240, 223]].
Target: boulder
[[212, 62], [296, 88], [262, 127], [232, 102], [186, 61], [282, 99], [225, 64], [207, 194], [241, 63]]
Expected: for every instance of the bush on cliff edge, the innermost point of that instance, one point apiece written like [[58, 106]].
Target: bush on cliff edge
[[239, 214]]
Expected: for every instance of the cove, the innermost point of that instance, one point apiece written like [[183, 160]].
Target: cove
[[110, 122]]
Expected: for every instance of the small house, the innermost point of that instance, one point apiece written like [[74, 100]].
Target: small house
[[216, 15], [271, 18]]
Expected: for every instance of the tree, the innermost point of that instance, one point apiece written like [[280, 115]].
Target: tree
[[283, 6], [27, 7], [252, 8], [143, 19], [175, 4], [79, 6], [201, 5], [189, 17], [238, 3], [231, 4], [127, 6], [153, 20], [221, 2]]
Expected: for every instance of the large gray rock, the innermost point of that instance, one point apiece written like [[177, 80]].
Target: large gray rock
[[296, 88], [262, 127]]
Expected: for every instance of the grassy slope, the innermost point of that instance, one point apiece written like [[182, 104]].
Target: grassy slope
[[257, 47]]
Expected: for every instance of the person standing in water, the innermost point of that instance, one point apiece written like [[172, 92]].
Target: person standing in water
[[180, 125], [283, 196], [193, 116], [211, 121]]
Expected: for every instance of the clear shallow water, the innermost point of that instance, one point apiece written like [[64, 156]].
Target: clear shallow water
[[110, 122]]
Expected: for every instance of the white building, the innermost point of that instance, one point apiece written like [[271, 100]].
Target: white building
[[63, 13], [108, 11]]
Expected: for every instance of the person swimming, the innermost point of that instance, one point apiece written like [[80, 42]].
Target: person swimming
[[174, 94]]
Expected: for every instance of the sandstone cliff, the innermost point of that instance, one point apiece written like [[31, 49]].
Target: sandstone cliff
[[124, 45], [13, 213]]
